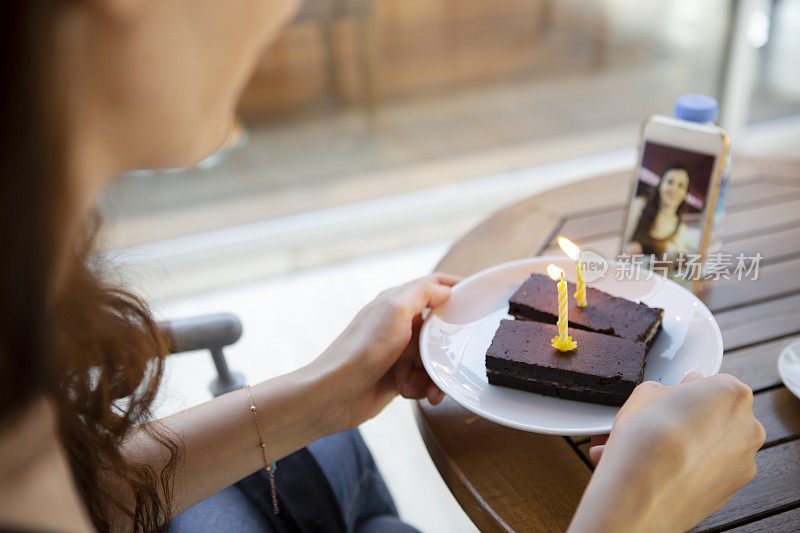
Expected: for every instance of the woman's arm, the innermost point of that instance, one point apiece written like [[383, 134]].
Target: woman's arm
[[634, 215], [373, 360], [675, 455], [219, 438]]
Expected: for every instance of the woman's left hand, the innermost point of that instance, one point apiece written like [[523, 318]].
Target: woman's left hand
[[377, 356]]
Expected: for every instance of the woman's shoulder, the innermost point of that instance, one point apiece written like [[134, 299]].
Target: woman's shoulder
[[31, 449]]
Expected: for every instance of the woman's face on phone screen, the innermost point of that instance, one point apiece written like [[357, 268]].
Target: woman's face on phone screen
[[673, 188]]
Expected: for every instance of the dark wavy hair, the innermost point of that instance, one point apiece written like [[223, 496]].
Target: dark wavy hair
[[92, 348], [652, 206]]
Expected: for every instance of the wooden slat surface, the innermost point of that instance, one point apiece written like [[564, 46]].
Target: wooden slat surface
[[774, 487], [756, 365], [777, 410], [757, 192], [741, 197], [785, 522], [595, 225], [742, 222], [774, 280], [759, 322], [511, 480], [743, 218], [601, 232], [773, 243]]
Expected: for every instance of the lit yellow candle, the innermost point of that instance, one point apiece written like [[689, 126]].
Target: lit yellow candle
[[580, 292], [561, 342], [574, 253]]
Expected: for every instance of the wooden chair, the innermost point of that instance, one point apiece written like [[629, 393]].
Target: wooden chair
[[326, 13]]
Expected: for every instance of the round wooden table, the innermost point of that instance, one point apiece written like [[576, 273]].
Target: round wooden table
[[511, 480]]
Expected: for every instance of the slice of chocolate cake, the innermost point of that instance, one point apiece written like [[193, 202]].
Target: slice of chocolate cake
[[602, 369], [611, 315]]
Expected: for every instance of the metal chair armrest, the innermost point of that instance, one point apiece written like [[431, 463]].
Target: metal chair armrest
[[212, 333], [202, 332]]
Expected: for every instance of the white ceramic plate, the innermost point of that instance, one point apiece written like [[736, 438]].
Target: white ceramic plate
[[789, 367], [456, 335]]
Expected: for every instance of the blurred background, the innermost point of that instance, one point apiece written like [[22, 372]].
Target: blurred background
[[375, 132]]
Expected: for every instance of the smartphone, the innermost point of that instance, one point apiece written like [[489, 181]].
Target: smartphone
[[674, 195]]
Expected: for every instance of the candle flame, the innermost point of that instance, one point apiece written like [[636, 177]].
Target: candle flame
[[570, 248], [554, 272]]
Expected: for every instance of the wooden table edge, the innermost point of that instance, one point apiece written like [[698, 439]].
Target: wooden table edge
[[475, 506], [462, 490]]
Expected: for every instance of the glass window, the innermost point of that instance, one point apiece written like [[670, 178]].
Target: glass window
[[362, 110], [776, 92], [375, 98]]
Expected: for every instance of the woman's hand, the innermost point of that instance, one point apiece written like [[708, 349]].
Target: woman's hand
[[674, 456], [377, 356], [373, 360]]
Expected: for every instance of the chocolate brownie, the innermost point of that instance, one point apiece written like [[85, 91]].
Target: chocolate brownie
[[602, 369], [536, 300]]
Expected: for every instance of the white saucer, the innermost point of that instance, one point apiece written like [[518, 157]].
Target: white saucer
[[789, 367], [456, 335]]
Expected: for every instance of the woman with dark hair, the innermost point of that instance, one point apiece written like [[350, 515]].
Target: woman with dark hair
[[95, 87], [655, 224]]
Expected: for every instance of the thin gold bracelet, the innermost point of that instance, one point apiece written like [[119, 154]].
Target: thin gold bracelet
[[268, 467]]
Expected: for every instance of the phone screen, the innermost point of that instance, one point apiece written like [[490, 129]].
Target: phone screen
[[666, 216]]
